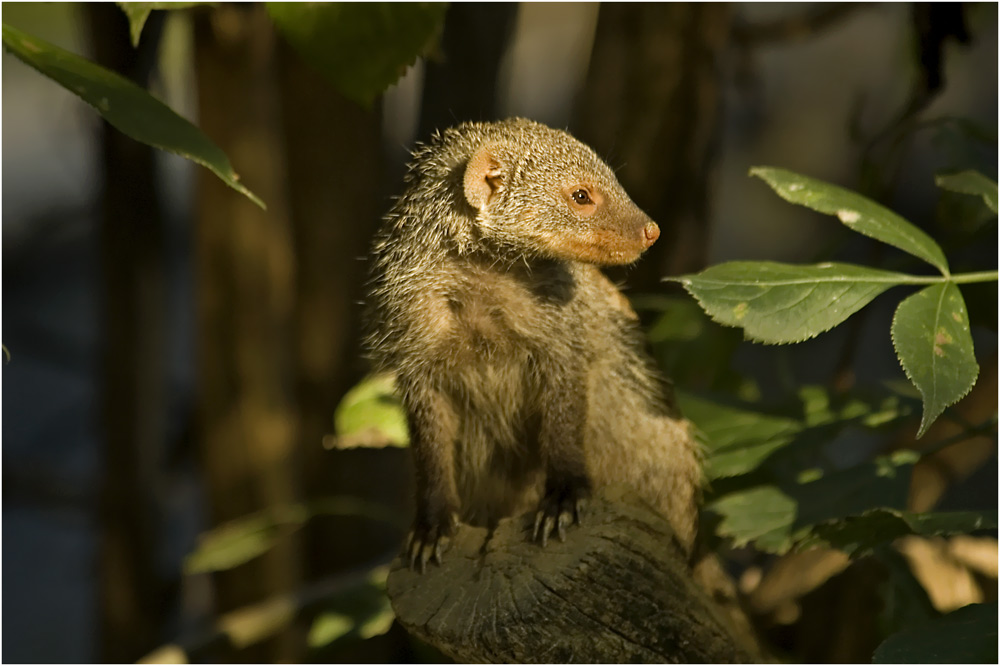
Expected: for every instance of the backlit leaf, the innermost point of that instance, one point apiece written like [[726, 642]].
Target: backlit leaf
[[138, 12], [371, 415], [970, 182]]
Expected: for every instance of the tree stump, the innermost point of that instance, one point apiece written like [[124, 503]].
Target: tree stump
[[619, 589]]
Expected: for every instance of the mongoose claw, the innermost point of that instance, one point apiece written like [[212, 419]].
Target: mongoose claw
[[558, 511], [426, 543]]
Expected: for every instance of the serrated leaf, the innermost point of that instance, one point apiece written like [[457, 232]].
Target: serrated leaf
[[965, 636], [855, 211], [930, 332], [970, 182], [138, 12], [781, 303], [362, 48], [371, 415], [125, 105]]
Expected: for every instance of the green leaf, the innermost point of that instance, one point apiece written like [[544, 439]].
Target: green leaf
[[780, 303], [763, 515], [693, 350], [855, 211], [970, 182], [965, 636], [138, 12], [737, 439], [904, 600], [125, 105], [238, 541], [370, 415], [930, 332], [360, 612], [775, 517], [859, 535], [362, 48]]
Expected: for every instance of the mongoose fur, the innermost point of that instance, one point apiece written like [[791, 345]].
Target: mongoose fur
[[520, 365]]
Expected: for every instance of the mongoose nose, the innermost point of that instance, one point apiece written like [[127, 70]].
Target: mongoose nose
[[651, 232]]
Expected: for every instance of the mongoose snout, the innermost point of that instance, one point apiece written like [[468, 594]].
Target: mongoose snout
[[651, 231]]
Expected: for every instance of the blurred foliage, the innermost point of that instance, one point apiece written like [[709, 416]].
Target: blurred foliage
[[359, 612], [965, 636], [238, 541], [138, 12], [371, 415], [330, 37]]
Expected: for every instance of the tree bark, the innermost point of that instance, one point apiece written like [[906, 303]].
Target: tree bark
[[617, 590]]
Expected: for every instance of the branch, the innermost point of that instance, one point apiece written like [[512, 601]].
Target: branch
[[618, 590]]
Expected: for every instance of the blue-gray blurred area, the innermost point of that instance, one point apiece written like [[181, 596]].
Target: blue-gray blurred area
[[787, 103], [52, 446]]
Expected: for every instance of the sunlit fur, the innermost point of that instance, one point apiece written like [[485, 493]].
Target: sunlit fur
[[480, 312]]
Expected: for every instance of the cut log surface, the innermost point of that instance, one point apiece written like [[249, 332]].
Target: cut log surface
[[617, 590]]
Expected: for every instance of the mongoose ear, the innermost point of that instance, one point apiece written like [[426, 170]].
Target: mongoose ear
[[483, 176]]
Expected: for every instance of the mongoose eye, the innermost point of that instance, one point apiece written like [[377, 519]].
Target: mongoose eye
[[582, 197]]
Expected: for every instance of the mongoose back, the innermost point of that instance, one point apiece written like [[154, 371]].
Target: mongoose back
[[520, 365]]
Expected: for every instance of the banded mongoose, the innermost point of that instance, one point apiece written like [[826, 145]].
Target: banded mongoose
[[520, 365]]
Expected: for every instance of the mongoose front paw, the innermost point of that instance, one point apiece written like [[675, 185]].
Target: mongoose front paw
[[428, 539], [562, 505]]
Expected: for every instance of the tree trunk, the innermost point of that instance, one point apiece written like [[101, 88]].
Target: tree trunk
[[134, 599], [245, 304], [652, 107], [334, 167]]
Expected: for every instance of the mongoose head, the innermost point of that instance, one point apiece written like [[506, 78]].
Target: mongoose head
[[541, 192]]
